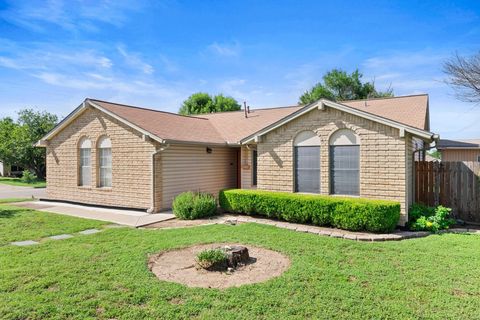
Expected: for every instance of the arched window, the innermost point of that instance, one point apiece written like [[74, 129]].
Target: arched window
[[345, 163], [85, 162], [105, 162], [307, 162]]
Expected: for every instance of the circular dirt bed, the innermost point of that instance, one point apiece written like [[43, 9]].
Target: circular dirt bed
[[179, 266]]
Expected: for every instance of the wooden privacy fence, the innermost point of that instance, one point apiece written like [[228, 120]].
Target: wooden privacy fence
[[452, 184]]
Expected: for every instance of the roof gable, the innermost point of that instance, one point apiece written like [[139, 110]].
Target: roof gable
[[322, 103]]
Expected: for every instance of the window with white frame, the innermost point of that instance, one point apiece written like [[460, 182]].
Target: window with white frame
[[307, 162], [105, 162], [85, 162], [345, 163]]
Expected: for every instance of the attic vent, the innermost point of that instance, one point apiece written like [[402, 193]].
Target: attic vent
[[209, 150]]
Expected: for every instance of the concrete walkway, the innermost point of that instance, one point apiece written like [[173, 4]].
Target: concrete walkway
[[7, 191], [130, 218]]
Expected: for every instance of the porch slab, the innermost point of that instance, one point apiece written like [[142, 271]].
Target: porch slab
[[131, 218]]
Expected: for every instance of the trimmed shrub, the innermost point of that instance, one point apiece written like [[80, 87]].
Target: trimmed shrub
[[346, 213], [193, 205]]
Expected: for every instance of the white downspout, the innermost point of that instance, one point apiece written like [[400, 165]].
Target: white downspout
[[163, 147]]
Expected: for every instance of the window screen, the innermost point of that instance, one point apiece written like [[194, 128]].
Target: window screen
[[254, 167], [307, 169], [105, 159], [85, 167], [345, 170]]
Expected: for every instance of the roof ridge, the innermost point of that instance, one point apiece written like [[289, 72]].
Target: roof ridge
[[256, 109], [386, 98], [147, 109]]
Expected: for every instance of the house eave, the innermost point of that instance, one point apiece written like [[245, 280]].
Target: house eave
[[320, 104]]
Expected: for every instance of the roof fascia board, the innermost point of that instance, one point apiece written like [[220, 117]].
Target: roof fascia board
[[415, 131], [458, 148], [66, 121], [320, 105], [128, 123], [220, 144]]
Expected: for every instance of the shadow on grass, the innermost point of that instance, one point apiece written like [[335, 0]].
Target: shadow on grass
[[6, 213]]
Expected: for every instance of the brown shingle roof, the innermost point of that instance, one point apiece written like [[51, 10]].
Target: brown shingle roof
[[231, 127], [165, 125], [458, 144], [410, 110]]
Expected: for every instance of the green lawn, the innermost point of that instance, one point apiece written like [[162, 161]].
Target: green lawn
[[105, 276], [19, 183], [18, 224]]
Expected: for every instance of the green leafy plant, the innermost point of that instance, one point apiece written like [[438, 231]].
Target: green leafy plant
[[28, 177], [423, 218], [345, 213], [212, 258], [193, 205]]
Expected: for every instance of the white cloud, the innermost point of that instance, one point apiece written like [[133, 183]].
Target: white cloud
[[69, 15], [135, 61], [225, 50]]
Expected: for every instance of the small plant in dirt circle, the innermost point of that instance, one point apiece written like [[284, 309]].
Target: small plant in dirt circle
[[212, 259]]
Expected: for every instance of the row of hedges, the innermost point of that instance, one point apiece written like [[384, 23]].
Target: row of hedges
[[345, 213]]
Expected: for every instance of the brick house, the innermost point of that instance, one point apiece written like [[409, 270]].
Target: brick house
[[111, 154]]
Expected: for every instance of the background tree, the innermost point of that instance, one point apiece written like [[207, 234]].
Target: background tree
[[17, 139], [464, 76], [201, 102], [338, 85]]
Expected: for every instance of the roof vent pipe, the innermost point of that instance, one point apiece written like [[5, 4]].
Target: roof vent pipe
[[248, 109], [245, 108]]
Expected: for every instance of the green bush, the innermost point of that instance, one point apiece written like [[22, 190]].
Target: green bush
[[193, 205], [423, 218], [346, 213], [28, 177]]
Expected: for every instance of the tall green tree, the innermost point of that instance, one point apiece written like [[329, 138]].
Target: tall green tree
[[338, 85], [17, 139], [201, 102]]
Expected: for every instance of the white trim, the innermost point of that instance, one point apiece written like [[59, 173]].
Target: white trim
[[128, 123], [78, 111], [323, 102]]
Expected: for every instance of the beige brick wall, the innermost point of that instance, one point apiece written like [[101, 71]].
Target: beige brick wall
[[131, 163], [383, 153]]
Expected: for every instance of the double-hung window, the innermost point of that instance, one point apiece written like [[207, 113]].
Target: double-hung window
[[344, 163], [85, 163], [105, 162], [307, 162]]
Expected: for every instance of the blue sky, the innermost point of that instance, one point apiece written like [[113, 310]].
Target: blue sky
[[53, 54]]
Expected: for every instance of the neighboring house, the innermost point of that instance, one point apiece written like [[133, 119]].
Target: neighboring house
[[4, 169], [459, 150], [117, 155]]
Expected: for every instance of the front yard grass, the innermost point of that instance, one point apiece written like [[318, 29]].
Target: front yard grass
[[18, 224], [19, 183], [105, 276]]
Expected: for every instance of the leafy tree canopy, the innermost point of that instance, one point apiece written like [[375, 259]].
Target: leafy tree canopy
[[201, 102], [17, 139], [338, 85]]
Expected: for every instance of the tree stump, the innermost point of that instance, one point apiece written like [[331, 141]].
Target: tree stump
[[236, 255]]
